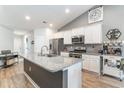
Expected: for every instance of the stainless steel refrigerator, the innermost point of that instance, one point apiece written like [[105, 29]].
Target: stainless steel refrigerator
[[56, 45]]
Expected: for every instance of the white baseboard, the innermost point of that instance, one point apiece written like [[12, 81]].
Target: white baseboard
[[32, 82]]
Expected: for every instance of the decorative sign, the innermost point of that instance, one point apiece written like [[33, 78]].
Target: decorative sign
[[95, 15], [113, 34]]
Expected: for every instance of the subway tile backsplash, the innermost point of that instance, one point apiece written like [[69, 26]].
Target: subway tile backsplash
[[90, 48], [93, 48]]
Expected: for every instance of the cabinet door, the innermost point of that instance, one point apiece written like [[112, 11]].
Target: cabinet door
[[67, 37], [55, 36], [86, 62], [78, 31], [95, 65], [88, 35], [59, 35], [93, 34], [91, 63], [97, 33]]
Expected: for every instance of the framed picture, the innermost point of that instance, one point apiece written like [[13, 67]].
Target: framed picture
[[95, 15]]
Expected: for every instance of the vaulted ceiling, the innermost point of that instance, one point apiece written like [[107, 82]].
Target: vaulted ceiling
[[13, 16]]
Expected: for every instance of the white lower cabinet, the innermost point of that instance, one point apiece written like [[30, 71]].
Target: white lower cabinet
[[95, 65], [91, 63], [85, 64], [64, 54]]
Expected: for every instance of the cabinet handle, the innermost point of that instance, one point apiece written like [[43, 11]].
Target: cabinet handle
[[29, 68]]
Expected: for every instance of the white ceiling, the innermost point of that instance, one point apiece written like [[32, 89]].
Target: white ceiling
[[13, 16]]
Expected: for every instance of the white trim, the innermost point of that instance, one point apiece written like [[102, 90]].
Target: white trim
[[32, 82], [73, 77]]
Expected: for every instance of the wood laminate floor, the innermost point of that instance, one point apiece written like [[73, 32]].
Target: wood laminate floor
[[13, 77], [93, 80]]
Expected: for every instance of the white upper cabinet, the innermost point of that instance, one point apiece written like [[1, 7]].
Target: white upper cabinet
[[78, 31], [64, 34], [93, 34], [67, 37], [59, 35], [88, 36], [97, 35]]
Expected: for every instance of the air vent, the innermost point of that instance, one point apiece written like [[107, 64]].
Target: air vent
[[44, 22]]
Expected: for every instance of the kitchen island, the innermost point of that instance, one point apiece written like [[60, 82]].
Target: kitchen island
[[53, 72]]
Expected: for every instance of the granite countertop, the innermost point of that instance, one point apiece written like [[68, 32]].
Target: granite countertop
[[113, 55], [87, 53], [52, 64], [99, 54], [96, 54]]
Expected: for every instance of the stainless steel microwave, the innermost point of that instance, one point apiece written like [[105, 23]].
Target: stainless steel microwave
[[78, 39]]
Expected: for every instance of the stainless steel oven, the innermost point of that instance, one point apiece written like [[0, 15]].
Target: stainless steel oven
[[77, 52], [78, 39], [75, 55]]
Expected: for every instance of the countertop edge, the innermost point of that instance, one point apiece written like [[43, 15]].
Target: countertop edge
[[52, 71]]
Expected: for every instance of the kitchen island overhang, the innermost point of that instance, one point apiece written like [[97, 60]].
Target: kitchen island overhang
[[53, 72]]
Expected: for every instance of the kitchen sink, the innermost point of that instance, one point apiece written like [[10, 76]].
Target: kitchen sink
[[48, 55]]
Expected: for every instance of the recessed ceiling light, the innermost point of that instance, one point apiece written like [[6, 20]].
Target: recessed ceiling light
[[27, 17], [51, 25], [67, 10]]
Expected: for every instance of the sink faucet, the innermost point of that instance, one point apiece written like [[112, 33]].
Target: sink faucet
[[42, 49]]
